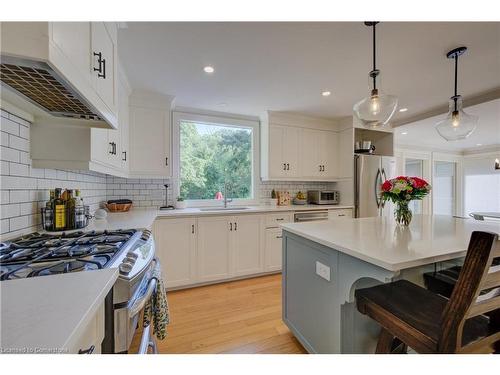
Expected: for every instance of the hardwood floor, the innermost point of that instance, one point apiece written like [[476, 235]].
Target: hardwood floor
[[236, 317]]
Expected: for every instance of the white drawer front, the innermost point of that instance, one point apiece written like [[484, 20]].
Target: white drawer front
[[275, 220], [90, 335], [339, 213]]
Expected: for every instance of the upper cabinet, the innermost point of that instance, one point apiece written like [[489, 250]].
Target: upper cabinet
[[150, 135], [72, 62], [302, 148]]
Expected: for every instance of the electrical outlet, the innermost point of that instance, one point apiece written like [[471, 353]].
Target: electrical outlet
[[323, 271]]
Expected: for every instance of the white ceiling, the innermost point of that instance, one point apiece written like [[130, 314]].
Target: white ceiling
[[423, 133], [286, 66]]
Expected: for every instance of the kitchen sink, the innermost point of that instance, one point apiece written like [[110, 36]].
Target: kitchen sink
[[225, 208]]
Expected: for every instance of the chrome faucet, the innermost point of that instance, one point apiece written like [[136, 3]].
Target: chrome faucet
[[226, 201]]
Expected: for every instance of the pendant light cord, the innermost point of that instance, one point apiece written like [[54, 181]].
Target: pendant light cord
[[455, 98], [374, 57]]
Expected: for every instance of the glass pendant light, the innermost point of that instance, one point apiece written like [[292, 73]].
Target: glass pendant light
[[457, 124], [376, 110]]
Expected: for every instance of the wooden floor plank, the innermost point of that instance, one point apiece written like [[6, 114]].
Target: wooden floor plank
[[241, 316]]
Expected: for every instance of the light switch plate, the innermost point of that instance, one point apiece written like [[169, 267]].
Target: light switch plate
[[323, 271]]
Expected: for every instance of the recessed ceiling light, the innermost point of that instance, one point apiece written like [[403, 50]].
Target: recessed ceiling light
[[403, 109], [208, 69], [326, 93], [404, 133]]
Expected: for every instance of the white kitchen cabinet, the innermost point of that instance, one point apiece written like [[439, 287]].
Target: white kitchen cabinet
[[299, 148], [338, 213], [329, 154], [104, 62], [273, 250], [283, 156], [214, 248], [176, 249], [81, 148], [150, 135], [88, 338], [247, 245], [73, 40]]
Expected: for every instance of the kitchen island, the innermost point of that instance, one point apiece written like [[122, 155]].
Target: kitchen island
[[325, 262]]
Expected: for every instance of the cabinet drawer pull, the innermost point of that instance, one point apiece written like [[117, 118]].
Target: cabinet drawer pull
[[101, 69], [235, 226], [166, 161], [280, 219], [124, 155], [279, 236], [192, 228], [284, 166], [287, 166], [87, 351], [112, 148], [341, 215], [231, 227]]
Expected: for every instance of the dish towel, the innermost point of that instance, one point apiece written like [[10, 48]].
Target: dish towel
[[156, 310]]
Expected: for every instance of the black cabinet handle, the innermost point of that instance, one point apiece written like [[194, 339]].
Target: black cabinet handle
[[284, 166], [231, 227], [112, 148], [192, 228], [287, 166], [101, 70], [124, 155], [166, 161], [235, 226], [279, 236], [87, 351], [280, 219]]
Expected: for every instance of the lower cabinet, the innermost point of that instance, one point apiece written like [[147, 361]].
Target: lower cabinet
[[87, 339], [176, 249], [273, 250], [214, 248], [199, 250], [247, 245]]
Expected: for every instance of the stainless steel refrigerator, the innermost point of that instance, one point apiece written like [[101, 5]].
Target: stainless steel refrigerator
[[370, 171]]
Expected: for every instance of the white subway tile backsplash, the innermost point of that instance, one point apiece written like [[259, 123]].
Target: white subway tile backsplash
[[9, 154], [9, 126], [24, 132], [17, 169], [18, 143]]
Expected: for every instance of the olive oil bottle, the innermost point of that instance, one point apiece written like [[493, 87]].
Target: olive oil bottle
[[70, 209], [59, 209]]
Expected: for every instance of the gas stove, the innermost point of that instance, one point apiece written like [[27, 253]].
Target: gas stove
[[47, 254], [132, 251]]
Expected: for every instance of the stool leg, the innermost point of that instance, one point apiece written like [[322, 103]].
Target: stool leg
[[399, 347], [495, 327], [385, 341]]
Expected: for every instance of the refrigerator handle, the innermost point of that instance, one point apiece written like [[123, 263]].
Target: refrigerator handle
[[384, 178], [375, 187]]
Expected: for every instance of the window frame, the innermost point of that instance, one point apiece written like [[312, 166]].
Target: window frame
[[236, 122]]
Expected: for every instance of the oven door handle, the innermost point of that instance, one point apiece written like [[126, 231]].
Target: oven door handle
[[139, 303]]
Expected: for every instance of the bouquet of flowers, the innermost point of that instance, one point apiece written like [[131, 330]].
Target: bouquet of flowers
[[401, 190]]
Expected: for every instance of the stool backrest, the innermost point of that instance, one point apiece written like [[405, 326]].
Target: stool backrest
[[477, 275]]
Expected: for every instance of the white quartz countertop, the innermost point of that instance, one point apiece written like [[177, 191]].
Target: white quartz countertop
[[44, 312], [144, 218], [378, 240]]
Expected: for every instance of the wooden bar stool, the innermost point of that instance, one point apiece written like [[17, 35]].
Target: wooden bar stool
[[413, 316]]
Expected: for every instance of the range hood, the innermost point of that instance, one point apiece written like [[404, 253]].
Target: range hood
[[42, 86]]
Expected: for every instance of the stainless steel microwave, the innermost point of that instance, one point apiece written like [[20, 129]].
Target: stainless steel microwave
[[323, 196]]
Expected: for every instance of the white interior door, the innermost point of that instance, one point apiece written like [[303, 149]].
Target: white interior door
[[444, 188]]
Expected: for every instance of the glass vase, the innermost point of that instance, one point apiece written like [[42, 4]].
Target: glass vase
[[402, 213]]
